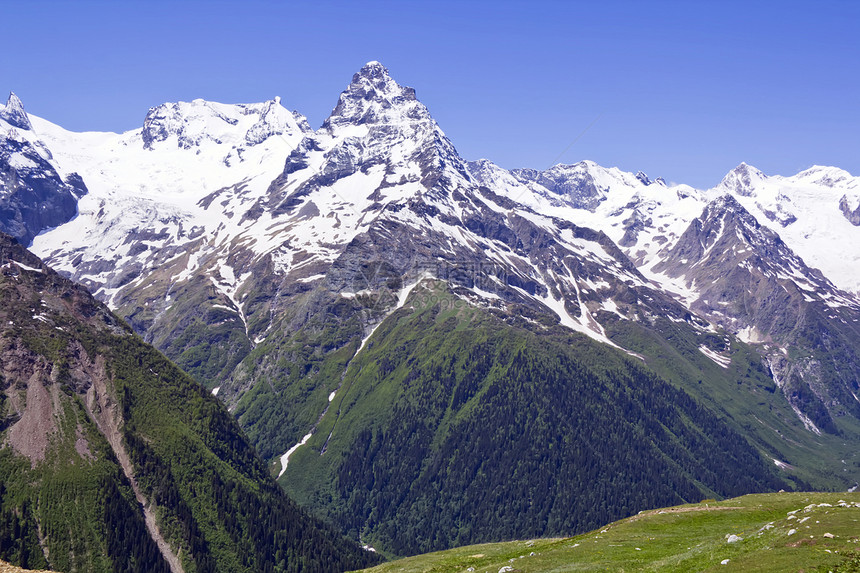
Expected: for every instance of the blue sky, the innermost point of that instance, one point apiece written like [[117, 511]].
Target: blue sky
[[682, 90]]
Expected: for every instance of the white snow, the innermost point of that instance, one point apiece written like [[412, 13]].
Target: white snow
[[21, 161], [285, 459], [750, 335], [162, 189], [592, 328], [193, 190], [311, 278], [820, 234], [807, 422], [781, 465], [719, 359], [402, 295], [611, 306], [485, 294], [27, 268], [679, 288]]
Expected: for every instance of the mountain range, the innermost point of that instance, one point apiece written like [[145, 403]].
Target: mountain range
[[410, 338]]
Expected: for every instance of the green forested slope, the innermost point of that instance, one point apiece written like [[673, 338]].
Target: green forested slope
[[454, 427], [90, 414]]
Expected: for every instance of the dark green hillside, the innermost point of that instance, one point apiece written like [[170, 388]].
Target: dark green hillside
[[95, 423], [746, 397], [488, 431]]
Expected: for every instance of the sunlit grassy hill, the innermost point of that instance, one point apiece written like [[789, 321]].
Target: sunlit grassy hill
[[762, 532]]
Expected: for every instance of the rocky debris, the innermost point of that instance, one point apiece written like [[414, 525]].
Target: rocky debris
[[37, 420]]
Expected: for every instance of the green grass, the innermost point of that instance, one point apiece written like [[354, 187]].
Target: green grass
[[683, 538]]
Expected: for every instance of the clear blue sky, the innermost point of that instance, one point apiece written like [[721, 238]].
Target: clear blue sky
[[684, 90]]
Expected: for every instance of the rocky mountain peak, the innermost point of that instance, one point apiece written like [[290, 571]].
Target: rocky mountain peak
[[372, 70], [374, 97], [742, 180], [728, 207], [643, 178], [33, 196], [14, 113]]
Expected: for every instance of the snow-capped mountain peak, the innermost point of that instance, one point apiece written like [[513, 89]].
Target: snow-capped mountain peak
[[373, 69], [13, 113], [742, 180], [827, 177], [190, 124], [378, 129], [374, 97]]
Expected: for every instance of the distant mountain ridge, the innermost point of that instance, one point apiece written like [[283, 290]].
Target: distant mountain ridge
[[270, 261]]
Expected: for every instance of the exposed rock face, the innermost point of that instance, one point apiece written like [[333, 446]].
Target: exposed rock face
[[741, 180], [372, 202], [372, 198], [633, 225], [643, 178], [574, 182], [852, 216], [747, 279], [33, 196], [374, 97]]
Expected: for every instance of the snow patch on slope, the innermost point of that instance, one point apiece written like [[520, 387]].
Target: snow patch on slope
[[285, 459], [718, 359]]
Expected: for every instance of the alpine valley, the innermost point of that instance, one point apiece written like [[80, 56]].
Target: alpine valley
[[431, 352]]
